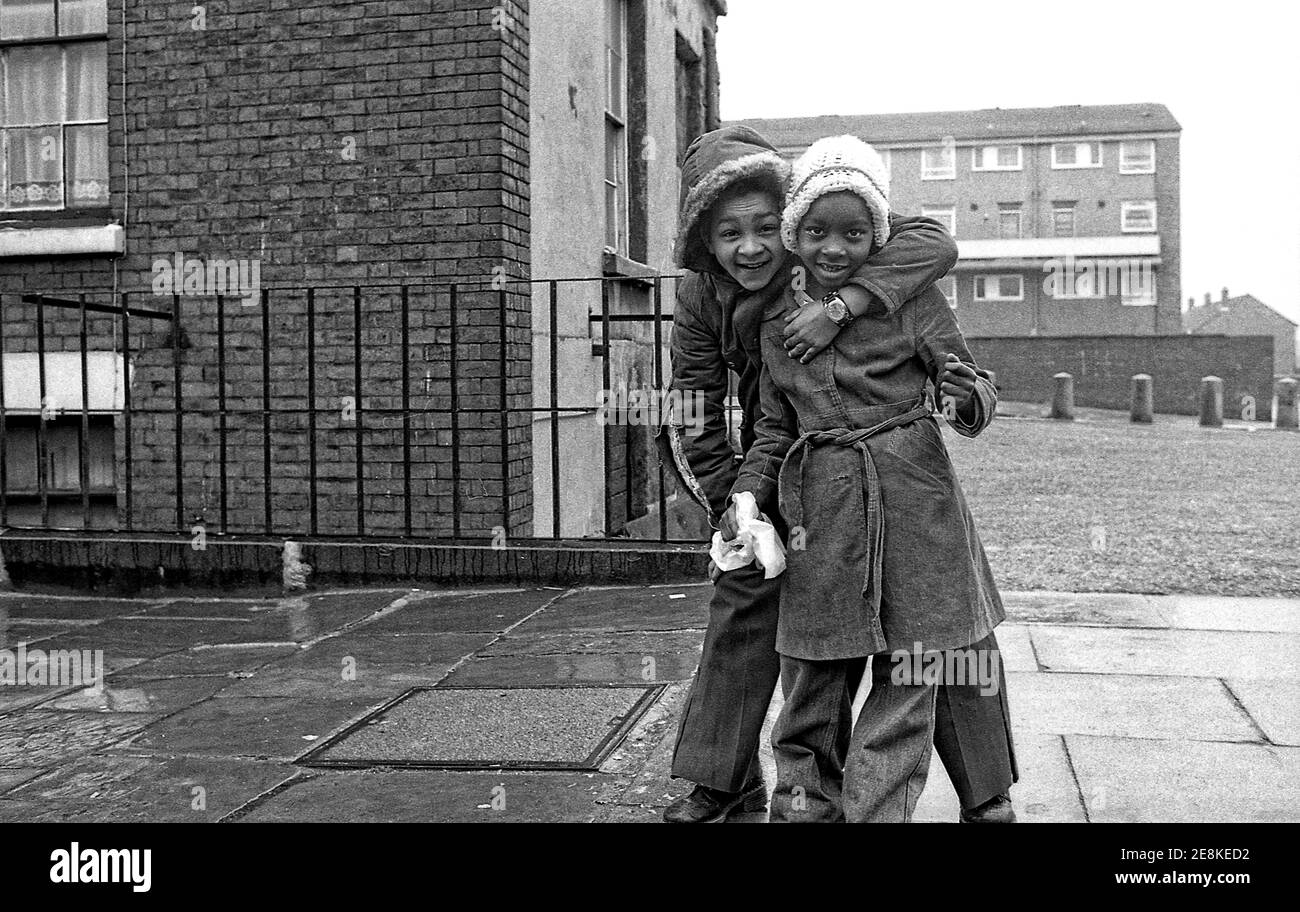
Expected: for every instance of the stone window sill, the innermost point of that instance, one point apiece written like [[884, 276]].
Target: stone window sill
[[77, 240]]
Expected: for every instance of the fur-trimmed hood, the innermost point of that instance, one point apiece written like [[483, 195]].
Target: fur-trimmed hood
[[713, 162]]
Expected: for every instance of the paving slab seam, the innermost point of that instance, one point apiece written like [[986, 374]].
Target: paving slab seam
[[1232, 695], [465, 658], [257, 801], [1074, 775], [392, 607]]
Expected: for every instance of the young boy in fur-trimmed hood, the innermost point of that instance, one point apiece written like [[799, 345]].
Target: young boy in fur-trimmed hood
[[729, 237]]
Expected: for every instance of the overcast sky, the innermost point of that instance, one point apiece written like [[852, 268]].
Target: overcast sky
[[1228, 72]]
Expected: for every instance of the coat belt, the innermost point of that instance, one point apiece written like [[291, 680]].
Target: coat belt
[[790, 486]]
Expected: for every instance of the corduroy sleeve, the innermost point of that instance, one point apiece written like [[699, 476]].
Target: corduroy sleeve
[[775, 432], [936, 335], [919, 253], [699, 368]]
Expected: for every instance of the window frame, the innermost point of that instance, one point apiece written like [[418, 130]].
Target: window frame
[[1100, 161], [981, 281], [978, 153], [1073, 209], [1005, 209], [1128, 206], [617, 123], [1150, 144], [63, 211], [930, 173]]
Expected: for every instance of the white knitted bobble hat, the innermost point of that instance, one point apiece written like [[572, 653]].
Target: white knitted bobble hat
[[830, 165]]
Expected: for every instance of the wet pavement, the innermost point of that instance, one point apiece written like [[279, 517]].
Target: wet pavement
[[1125, 707]]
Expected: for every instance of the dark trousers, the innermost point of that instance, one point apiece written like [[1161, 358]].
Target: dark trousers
[[830, 770], [717, 741]]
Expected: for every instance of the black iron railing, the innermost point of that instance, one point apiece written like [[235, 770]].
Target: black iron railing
[[461, 335]]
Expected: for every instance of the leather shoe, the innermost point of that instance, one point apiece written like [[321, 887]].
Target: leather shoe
[[706, 805], [996, 810]]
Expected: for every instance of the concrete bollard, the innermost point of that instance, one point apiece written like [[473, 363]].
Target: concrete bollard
[[1211, 402], [1286, 410], [1063, 396], [1140, 411]]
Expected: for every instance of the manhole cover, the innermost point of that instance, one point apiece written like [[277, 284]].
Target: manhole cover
[[490, 728]]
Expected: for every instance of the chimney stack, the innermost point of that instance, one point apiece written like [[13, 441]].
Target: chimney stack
[[1207, 299], [1191, 302], [1225, 294]]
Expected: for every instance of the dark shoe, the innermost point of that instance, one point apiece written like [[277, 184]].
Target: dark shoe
[[706, 805], [996, 810]]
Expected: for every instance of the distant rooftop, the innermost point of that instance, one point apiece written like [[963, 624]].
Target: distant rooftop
[[989, 123]]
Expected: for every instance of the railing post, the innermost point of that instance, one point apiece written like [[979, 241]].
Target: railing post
[[1063, 396], [1141, 407], [1286, 414], [1211, 402]]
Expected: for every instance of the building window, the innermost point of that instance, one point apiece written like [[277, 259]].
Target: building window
[[945, 214], [1063, 219], [1008, 220], [1140, 295], [948, 285], [1138, 215], [1068, 284], [1076, 155], [939, 162], [55, 104], [1137, 157], [616, 177], [996, 158], [999, 288]]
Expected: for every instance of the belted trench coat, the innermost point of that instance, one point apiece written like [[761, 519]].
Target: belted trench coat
[[883, 553]]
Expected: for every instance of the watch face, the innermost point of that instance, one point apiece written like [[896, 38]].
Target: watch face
[[836, 309]]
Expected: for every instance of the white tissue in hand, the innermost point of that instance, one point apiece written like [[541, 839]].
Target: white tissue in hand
[[756, 541]]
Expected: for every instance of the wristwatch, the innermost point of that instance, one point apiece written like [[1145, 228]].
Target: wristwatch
[[837, 310]]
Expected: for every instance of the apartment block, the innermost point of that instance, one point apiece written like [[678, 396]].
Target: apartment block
[[1066, 218]]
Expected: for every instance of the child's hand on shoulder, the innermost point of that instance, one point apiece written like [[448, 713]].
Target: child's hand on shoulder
[[808, 330]]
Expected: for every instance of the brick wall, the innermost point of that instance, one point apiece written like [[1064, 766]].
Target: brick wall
[[1103, 368], [338, 144]]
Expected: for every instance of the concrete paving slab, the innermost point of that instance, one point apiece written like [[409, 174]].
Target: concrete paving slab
[[1104, 609], [372, 682], [434, 796], [641, 767], [160, 697], [208, 609], [1274, 705], [1189, 653], [176, 633], [1127, 706], [115, 789], [632, 608], [13, 633], [1143, 781], [364, 651], [13, 777], [13, 697], [1212, 612], [1017, 651], [221, 661], [1046, 792], [260, 727], [631, 668], [490, 726], [596, 642], [36, 737], [492, 611], [19, 606]]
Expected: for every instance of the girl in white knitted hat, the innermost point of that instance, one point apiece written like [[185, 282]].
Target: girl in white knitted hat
[[884, 558]]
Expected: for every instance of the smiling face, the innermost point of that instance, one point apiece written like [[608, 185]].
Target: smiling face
[[745, 237], [835, 237]]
